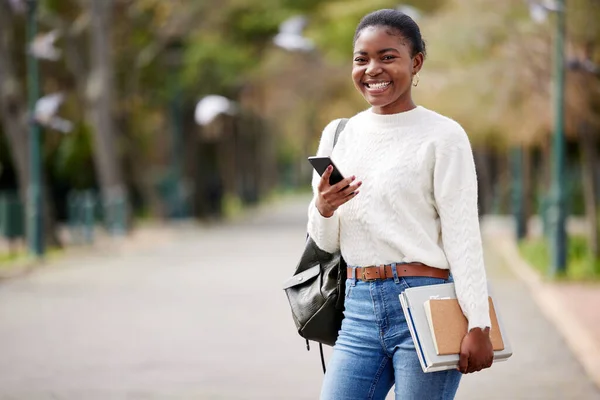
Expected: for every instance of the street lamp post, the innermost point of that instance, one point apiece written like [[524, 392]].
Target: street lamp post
[[557, 212], [34, 191], [556, 215]]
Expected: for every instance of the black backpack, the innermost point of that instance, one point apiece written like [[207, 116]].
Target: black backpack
[[316, 290]]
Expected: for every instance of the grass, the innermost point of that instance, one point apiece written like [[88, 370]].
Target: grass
[[11, 260], [580, 264], [8, 259], [281, 192]]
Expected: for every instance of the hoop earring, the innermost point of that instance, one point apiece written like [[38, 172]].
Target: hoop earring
[[416, 80]]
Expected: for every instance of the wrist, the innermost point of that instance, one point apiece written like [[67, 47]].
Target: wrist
[[485, 329], [480, 332], [325, 213]]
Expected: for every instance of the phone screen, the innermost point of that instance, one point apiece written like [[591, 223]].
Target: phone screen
[[320, 164]]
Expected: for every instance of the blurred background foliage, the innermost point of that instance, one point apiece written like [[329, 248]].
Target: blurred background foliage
[[489, 66]]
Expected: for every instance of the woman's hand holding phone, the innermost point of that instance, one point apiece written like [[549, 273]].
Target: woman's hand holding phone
[[331, 197]]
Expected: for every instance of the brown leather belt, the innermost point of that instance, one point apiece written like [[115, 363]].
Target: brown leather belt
[[375, 272]]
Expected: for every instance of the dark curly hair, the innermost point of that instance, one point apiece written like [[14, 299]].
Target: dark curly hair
[[398, 21]]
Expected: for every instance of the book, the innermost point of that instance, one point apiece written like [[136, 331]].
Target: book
[[413, 301], [448, 325]]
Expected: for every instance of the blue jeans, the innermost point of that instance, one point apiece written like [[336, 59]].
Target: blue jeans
[[375, 351]]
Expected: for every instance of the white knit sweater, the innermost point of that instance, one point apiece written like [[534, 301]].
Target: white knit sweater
[[417, 203]]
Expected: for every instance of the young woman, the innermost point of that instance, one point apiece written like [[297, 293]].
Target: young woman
[[405, 216]]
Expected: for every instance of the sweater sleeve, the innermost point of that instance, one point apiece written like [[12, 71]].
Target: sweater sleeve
[[455, 191], [324, 231]]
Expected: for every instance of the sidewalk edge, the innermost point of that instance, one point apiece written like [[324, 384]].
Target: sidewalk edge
[[576, 336]]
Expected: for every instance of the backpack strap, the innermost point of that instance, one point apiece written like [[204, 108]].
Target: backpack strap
[[322, 358], [339, 129]]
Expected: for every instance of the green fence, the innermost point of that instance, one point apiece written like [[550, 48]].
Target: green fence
[[82, 211], [12, 216]]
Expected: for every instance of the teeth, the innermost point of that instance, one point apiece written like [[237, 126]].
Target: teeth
[[379, 85]]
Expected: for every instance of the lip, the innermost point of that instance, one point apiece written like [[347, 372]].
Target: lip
[[371, 90]]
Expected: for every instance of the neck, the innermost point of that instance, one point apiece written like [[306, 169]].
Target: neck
[[395, 108], [409, 117]]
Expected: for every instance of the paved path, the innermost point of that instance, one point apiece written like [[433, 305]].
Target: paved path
[[542, 367], [193, 319]]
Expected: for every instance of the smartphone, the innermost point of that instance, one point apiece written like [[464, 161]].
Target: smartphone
[[320, 164]]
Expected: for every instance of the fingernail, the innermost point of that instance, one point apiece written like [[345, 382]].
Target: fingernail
[[329, 168], [353, 177]]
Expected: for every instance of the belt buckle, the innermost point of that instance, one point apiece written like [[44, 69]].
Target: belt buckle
[[364, 276]]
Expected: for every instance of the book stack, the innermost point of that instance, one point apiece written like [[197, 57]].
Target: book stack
[[437, 326]]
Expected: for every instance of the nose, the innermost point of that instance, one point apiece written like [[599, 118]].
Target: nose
[[374, 68]]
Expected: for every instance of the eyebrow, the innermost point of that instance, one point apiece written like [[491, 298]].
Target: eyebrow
[[362, 53]]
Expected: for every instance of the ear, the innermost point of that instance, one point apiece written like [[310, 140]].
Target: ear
[[418, 62]]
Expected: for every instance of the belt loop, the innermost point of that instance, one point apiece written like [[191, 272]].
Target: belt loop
[[395, 272], [353, 283]]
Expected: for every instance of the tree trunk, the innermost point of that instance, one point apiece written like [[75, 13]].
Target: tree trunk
[[588, 157], [228, 159], [100, 103], [14, 122], [12, 104]]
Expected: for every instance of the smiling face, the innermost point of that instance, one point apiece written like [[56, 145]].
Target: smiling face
[[383, 69]]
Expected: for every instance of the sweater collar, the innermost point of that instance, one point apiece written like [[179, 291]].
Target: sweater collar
[[406, 118]]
